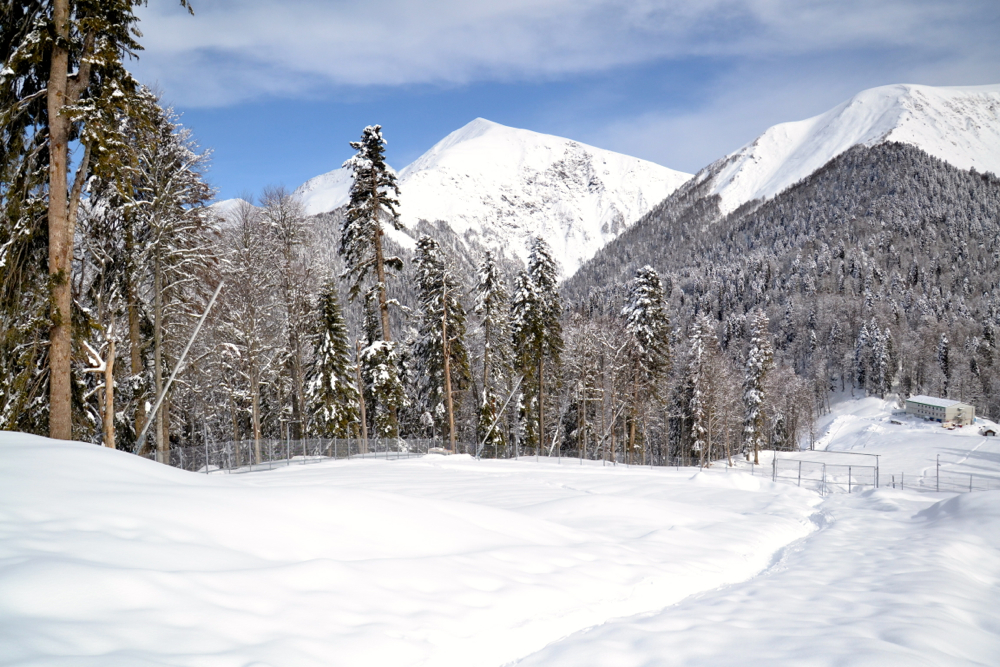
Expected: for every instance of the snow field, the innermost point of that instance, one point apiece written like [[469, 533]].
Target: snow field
[[892, 578], [107, 559]]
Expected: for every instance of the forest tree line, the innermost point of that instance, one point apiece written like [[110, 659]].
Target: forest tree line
[[693, 336]]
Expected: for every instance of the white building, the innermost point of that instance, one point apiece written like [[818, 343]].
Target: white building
[[941, 410]]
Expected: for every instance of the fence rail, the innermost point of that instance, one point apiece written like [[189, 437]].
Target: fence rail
[[247, 455]]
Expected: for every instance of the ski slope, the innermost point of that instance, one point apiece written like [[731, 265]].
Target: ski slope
[[106, 559], [960, 125]]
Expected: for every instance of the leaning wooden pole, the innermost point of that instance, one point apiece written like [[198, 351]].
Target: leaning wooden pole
[[180, 363]]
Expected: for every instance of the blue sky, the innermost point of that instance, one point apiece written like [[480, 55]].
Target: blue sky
[[277, 89]]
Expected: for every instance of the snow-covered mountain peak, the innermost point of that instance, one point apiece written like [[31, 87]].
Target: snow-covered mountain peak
[[501, 185], [960, 125], [497, 186]]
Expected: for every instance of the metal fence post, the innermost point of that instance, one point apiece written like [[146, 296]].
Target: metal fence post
[[800, 474], [937, 483], [848, 479]]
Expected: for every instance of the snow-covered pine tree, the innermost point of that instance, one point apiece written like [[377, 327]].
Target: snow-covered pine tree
[[440, 355], [862, 356], [331, 391], [758, 364], [537, 330], [493, 308], [373, 203], [648, 327], [696, 407], [524, 306], [883, 363]]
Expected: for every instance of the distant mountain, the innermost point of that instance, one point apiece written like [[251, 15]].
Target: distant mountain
[[959, 125], [496, 186]]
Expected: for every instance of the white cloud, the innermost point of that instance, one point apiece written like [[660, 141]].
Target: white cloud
[[234, 50]]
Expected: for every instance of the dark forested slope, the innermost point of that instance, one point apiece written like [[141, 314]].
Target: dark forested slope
[[884, 252]]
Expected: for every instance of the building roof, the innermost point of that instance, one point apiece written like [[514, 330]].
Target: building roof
[[934, 401]]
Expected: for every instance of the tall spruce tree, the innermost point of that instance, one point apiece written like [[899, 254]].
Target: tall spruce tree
[[648, 327], [697, 406], [331, 388], [493, 308], [758, 365], [440, 354], [537, 329], [373, 203]]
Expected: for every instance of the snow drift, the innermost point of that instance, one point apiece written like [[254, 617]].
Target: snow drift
[[107, 559]]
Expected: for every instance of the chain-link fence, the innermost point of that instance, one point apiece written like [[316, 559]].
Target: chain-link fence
[[827, 478], [824, 477]]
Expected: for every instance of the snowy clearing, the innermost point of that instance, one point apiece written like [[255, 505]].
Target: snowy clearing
[[107, 559]]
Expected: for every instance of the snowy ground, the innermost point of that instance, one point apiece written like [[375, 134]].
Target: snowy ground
[[106, 559]]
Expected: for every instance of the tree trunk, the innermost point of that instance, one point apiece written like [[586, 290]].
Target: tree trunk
[[162, 442], [297, 385], [134, 335], [236, 434], [486, 376], [383, 301], [383, 306], [60, 233], [635, 413], [541, 403], [255, 398], [446, 349], [614, 419], [361, 405], [109, 396]]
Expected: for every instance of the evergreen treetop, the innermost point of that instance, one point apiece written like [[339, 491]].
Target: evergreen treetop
[[374, 193]]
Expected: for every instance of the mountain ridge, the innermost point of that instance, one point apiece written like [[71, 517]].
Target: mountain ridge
[[959, 125]]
